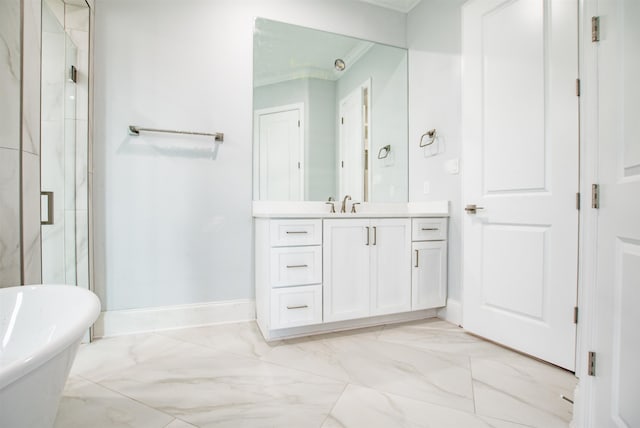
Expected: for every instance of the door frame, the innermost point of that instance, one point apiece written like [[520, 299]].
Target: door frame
[[588, 257], [256, 145]]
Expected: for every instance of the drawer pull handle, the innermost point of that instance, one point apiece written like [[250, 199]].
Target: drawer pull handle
[[296, 266], [298, 307], [417, 255], [297, 232], [430, 228]]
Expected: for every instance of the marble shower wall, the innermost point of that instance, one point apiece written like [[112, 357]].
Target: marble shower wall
[[19, 143], [10, 75]]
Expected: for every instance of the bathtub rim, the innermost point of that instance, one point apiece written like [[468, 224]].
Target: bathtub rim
[[88, 314]]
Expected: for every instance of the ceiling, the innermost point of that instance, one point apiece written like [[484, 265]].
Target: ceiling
[[399, 5], [286, 52]]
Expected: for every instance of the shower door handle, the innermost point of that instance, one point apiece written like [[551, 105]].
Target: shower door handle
[[49, 196]]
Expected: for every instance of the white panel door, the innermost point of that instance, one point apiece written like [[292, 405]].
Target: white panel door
[[520, 148], [346, 291], [351, 146], [280, 139], [616, 384], [390, 266]]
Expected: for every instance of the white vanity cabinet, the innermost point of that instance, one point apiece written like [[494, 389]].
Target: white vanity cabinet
[[288, 273], [429, 274], [340, 271], [366, 267]]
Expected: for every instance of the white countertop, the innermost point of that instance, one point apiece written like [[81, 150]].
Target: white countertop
[[307, 209]]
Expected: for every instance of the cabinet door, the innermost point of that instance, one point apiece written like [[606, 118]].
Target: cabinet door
[[346, 244], [429, 277], [390, 261]]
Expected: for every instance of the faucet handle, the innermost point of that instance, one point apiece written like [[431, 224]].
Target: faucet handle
[[353, 207], [333, 205]]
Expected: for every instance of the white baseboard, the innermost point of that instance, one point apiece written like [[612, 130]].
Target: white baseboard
[[116, 323], [452, 312]]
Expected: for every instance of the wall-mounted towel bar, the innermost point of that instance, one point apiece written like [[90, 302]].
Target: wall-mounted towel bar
[[136, 130]]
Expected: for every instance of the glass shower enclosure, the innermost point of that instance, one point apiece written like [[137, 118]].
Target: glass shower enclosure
[[64, 144]]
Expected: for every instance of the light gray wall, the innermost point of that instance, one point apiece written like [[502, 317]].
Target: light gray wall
[[172, 215], [321, 154], [387, 68], [434, 41]]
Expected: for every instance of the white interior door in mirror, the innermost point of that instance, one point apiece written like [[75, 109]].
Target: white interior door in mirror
[[520, 143], [280, 136]]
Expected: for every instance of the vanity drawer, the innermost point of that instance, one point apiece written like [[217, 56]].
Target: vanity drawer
[[286, 233], [429, 229], [296, 266], [296, 306]]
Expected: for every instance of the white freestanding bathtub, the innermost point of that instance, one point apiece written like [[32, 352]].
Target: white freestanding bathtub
[[40, 331]]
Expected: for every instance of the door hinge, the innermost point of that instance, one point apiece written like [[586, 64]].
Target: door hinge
[[595, 28], [578, 200], [577, 87], [591, 364], [575, 315], [595, 196]]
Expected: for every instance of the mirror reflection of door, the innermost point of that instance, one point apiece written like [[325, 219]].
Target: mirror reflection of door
[[281, 152], [354, 140]]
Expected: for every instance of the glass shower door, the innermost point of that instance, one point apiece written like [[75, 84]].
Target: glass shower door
[[64, 143]]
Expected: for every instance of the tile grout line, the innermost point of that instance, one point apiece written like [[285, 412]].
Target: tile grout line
[[131, 398], [522, 401], [335, 404], [473, 389]]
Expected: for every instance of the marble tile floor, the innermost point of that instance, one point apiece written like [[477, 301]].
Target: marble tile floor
[[420, 374]]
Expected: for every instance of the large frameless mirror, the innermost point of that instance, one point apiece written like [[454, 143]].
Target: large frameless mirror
[[330, 116]]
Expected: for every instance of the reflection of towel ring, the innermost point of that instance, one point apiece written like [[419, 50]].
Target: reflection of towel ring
[[431, 134], [384, 151]]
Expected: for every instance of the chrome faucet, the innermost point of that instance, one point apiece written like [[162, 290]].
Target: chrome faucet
[[344, 204]]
